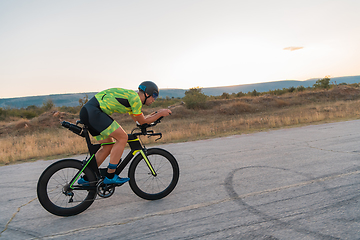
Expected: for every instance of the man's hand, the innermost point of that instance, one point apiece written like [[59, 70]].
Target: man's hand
[[164, 112], [141, 119]]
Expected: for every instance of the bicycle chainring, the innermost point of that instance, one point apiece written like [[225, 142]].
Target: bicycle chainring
[[104, 190]]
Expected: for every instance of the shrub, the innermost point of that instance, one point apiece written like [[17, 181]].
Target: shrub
[[195, 98], [323, 83], [254, 93], [278, 92], [83, 100], [225, 96], [291, 89], [48, 105], [240, 94], [2, 114], [300, 88]]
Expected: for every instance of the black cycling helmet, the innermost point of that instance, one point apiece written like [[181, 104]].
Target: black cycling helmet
[[150, 88]]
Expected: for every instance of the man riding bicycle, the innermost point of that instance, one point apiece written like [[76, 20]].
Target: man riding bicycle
[[95, 115]]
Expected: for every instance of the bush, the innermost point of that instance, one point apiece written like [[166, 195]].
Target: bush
[[300, 88], [291, 89], [225, 96], [195, 98], [254, 93], [240, 94], [278, 92], [83, 100], [2, 114], [48, 105], [323, 83]]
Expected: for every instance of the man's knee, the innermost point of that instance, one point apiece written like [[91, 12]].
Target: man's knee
[[119, 134]]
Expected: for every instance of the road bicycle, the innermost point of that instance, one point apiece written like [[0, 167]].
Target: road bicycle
[[153, 174]]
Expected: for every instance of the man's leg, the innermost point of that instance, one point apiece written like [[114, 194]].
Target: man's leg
[[104, 151], [118, 148], [115, 155]]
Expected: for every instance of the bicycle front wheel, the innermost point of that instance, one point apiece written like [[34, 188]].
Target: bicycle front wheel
[[54, 193], [145, 184]]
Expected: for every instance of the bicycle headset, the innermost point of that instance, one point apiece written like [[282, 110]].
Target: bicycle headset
[[150, 88]]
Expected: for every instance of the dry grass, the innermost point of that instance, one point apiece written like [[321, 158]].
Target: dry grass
[[39, 145], [208, 125], [23, 140]]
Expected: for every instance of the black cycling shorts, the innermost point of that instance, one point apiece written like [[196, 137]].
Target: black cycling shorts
[[100, 124]]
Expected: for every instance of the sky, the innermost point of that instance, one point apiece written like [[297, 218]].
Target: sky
[[51, 46]]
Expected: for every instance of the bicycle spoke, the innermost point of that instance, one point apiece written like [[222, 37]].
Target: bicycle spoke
[[150, 184]]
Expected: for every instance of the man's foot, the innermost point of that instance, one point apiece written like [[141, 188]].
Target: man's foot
[[83, 182], [116, 180]]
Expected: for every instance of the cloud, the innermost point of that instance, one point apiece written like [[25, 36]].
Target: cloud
[[293, 48]]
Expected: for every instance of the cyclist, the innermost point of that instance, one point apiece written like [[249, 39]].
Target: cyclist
[[95, 114]]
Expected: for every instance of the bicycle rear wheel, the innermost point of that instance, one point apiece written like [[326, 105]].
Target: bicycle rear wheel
[[54, 193], [150, 187]]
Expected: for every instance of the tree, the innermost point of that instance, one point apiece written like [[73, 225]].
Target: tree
[[83, 100], [291, 89], [49, 104], [254, 93], [323, 83], [300, 88], [240, 94], [225, 96]]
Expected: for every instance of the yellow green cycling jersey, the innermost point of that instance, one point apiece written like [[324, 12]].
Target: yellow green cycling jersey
[[119, 100]]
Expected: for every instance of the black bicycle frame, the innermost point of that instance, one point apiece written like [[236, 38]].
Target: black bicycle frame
[[135, 146]]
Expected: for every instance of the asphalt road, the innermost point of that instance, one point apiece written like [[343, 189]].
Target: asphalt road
[[299, 183]]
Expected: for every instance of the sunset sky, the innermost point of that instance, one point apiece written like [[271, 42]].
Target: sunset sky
[[49, 46]]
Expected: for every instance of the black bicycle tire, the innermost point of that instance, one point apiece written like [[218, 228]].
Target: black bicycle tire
[[154, 196], [42, 191]]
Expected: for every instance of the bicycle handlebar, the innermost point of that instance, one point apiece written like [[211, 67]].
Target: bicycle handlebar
[[144, 130]]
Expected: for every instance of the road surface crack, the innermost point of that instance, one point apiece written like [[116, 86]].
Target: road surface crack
[[13, 216]]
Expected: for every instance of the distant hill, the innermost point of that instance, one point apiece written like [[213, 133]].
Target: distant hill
[[264, 87], [72, 99]]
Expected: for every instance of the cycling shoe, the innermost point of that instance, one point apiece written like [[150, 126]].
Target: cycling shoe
[[83, 182], [116, 180]]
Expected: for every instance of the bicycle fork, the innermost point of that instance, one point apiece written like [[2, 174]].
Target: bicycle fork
[[148, 163], [135, 145]]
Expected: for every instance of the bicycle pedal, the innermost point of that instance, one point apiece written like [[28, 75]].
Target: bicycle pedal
[[113, 184]]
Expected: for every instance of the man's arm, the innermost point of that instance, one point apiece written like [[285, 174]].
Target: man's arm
[[141, 119]]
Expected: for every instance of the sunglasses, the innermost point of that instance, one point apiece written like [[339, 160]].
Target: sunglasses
[[155, 95]]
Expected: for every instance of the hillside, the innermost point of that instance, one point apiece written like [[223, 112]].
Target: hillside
[[43, 136], [264, 87], [73, 99]]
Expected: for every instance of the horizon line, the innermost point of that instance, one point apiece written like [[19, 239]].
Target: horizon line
[[50, 94]]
